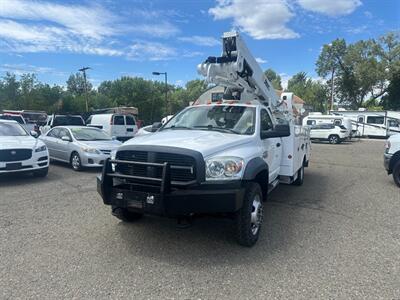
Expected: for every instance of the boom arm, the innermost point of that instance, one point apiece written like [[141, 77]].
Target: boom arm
[[239, 73]]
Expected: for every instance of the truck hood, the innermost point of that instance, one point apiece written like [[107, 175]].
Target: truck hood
[[204, 141], [14, 142]]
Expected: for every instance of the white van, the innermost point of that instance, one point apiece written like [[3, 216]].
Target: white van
[[121, 126], [315, 118]]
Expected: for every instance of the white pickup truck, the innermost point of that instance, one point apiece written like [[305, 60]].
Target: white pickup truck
[[220, 158], [392, 157]]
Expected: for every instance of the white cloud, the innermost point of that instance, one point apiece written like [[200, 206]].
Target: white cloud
[[20, 69], [330, 7], [260, 60], [40, 26], [261, 19], [143, 50], [208, 41], [92, 21]]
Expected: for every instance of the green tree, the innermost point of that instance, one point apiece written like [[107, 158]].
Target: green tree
[[274, 78], [76, 84]]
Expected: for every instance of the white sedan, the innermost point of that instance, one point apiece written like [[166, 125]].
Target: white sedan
[[20, 151]]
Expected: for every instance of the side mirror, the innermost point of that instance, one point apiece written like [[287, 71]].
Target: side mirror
[[155, 126], [65, 138], [34, 133], [278, 131]]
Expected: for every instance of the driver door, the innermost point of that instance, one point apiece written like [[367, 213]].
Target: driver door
[[271, 147]]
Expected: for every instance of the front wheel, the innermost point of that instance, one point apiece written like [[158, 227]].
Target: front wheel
[[76, 162], [396, 173], [334, 139], [250, 217]]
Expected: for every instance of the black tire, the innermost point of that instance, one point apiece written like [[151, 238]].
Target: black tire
[[396, 173], [249, 218], [334, 139], [41, 172], [125, 215], [300, 177], [76, 162]]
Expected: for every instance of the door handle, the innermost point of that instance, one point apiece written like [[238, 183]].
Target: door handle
[[278, 144]]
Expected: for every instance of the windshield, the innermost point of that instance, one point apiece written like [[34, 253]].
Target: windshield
[[12, 129], [14, 118], [90, 134], [68, 120], [225, 118]]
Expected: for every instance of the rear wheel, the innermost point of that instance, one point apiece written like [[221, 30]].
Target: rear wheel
[[396, 173], [76, 163], [334, 139], [250, 217], [125, 215], [300, 176]]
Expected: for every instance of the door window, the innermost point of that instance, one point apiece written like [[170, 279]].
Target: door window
[[54, 133], [63, 132], [375, 120], [266, 122], [119, 120], [130, 120], [311, 122]]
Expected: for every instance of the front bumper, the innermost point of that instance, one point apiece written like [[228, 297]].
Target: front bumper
[[93, 159], [161, 197], [386, 162], [39, 160]]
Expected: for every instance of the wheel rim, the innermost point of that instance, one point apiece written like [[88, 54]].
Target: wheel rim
[[76, 162], [256, 214], [333, 139]]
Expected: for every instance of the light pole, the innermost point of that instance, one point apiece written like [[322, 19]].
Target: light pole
[[166, 89], [83, 70]]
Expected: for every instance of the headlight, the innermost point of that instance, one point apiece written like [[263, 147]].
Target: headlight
[[41, 148], [113, 155], [224, 168], [91, 150]]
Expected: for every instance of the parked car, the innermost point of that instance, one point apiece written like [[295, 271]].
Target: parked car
[[20, 151], [79, 146], [122, 126], [61, 120], [392, 157], [329, 132], [20, 119]]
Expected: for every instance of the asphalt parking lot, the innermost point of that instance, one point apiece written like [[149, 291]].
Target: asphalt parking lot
[[337, 236]]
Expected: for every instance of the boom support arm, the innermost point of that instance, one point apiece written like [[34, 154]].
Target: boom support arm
[[238, 71]]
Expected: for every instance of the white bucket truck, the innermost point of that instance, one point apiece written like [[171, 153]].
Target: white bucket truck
[[222, 158]]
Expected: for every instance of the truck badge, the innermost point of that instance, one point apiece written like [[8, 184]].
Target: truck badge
[[120, 196], [150, 199]]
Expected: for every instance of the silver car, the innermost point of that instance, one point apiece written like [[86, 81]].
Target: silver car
[[79, 146]]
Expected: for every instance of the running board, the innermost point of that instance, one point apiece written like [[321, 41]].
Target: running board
[[287, 179], [273, 185]]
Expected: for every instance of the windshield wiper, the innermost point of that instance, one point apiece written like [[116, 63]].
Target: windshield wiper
[[177, 127], [221, 129]]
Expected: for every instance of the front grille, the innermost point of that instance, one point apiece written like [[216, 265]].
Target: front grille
[[15, 154], [182, 166]]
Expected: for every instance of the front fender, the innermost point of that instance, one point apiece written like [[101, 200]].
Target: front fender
[[254, 167]]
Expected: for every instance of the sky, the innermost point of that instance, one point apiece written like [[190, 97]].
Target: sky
[[136, 37]]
